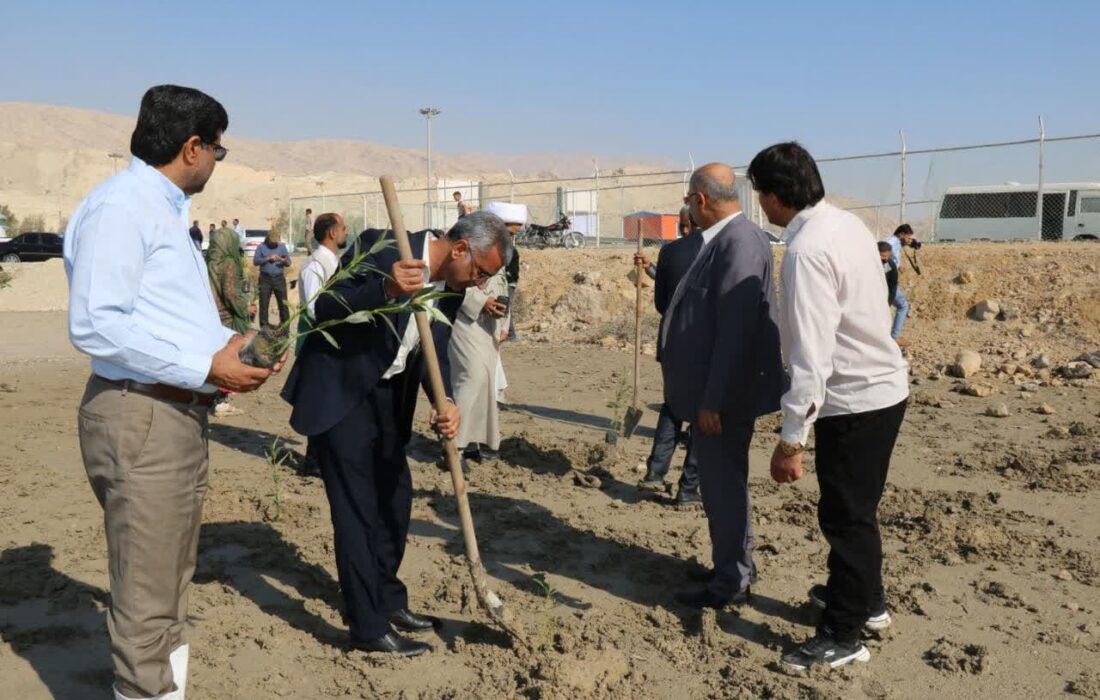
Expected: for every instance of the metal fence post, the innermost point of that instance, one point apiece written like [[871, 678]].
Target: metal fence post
[[365, 211], [901, 213], [1039, 184], [595, 195]]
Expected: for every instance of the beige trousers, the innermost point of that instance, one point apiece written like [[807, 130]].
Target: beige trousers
[[147, 463]]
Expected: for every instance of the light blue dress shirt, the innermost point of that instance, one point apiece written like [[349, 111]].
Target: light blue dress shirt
[[139, 293]]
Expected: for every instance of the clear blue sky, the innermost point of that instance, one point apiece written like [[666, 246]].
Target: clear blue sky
[[718, 79]]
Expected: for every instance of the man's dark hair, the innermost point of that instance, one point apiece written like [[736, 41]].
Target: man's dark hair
[[309, 211], [169, 116], [456, 192], [323, 226], [904, 229], [788, 171], [195, 223], [884, 247]]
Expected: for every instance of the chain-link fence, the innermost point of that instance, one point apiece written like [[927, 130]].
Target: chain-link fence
[[978, 191]]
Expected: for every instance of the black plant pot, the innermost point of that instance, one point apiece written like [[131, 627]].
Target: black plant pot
[[265, 348]]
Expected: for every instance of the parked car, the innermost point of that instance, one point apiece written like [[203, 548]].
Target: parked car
[[32, 246], [253, 237]]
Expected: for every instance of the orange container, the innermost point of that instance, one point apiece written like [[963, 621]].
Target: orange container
[[655, 227]]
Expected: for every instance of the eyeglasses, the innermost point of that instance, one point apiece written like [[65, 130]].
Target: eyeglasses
[[480, 274], [219, 150]]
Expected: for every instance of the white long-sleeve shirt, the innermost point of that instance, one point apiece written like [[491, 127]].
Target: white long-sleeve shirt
[[318, 269], [834, 325]]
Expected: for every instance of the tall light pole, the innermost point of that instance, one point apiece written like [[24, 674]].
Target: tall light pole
[[116, 157], [428, 113]]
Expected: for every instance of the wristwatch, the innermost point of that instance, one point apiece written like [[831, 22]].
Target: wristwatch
[[790, 449]]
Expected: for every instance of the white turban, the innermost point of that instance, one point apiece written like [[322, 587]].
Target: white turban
[[509, 212]]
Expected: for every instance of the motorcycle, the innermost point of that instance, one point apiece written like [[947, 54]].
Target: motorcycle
[[555, 235]]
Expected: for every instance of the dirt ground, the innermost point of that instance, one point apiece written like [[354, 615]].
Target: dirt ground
[[992, 563]]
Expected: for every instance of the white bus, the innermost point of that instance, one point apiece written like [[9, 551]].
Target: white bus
[[1071, 210]]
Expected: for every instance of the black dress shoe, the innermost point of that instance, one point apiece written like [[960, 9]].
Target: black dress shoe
[[686, 497], [703, 575], [392, 643], [408, 621], [705, 598]]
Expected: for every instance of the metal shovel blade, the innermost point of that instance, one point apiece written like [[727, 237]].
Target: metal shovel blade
[[630, 420]]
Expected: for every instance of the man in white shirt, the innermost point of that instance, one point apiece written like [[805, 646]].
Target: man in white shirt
[[848, 378], [330, 236], [239, 230]]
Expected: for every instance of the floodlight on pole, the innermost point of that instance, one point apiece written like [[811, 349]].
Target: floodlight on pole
[[428, 113], [116, 157]]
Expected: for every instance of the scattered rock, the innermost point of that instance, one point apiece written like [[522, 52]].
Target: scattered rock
[[985, 310], [1008, 312], [998, 411], [1093, 358], [1045, 409], [609, 341], [1041, 361], [964, 277], [1064, 575], [976, 389], [1077, 370], [586, 277], [967, 364]]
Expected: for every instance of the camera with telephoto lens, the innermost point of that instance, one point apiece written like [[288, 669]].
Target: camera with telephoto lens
[[915, 245]]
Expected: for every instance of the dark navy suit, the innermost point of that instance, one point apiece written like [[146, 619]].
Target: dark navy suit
[[360, 424]]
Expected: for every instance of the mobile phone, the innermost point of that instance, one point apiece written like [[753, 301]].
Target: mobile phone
[[503, 301]]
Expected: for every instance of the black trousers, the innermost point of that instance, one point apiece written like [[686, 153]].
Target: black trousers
[[853, 457], [724, 481], [664, 446], [270, 284]]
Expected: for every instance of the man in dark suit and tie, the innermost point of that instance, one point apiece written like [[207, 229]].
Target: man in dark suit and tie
[[356, 402], [676, 257], [723, 369]]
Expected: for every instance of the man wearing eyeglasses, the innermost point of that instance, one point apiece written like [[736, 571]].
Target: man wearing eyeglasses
[[356, 401], [141, 306]]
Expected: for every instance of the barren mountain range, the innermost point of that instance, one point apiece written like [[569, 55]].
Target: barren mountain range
[[51, 156]]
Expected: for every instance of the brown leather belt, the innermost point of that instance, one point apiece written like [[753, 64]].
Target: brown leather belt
[[163, 392]]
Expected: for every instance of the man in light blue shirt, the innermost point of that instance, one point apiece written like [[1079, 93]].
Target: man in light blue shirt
[[902, 237], [140, 305]]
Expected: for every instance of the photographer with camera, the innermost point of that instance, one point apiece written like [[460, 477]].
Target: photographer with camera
[[902, 238]]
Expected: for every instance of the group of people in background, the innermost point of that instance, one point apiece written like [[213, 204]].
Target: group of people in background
[[201, 243], [165, 328]]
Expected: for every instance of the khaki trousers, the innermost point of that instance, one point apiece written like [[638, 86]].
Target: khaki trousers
[[147, 463]]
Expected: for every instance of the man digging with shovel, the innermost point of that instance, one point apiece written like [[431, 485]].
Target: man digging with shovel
[[356, 403]]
